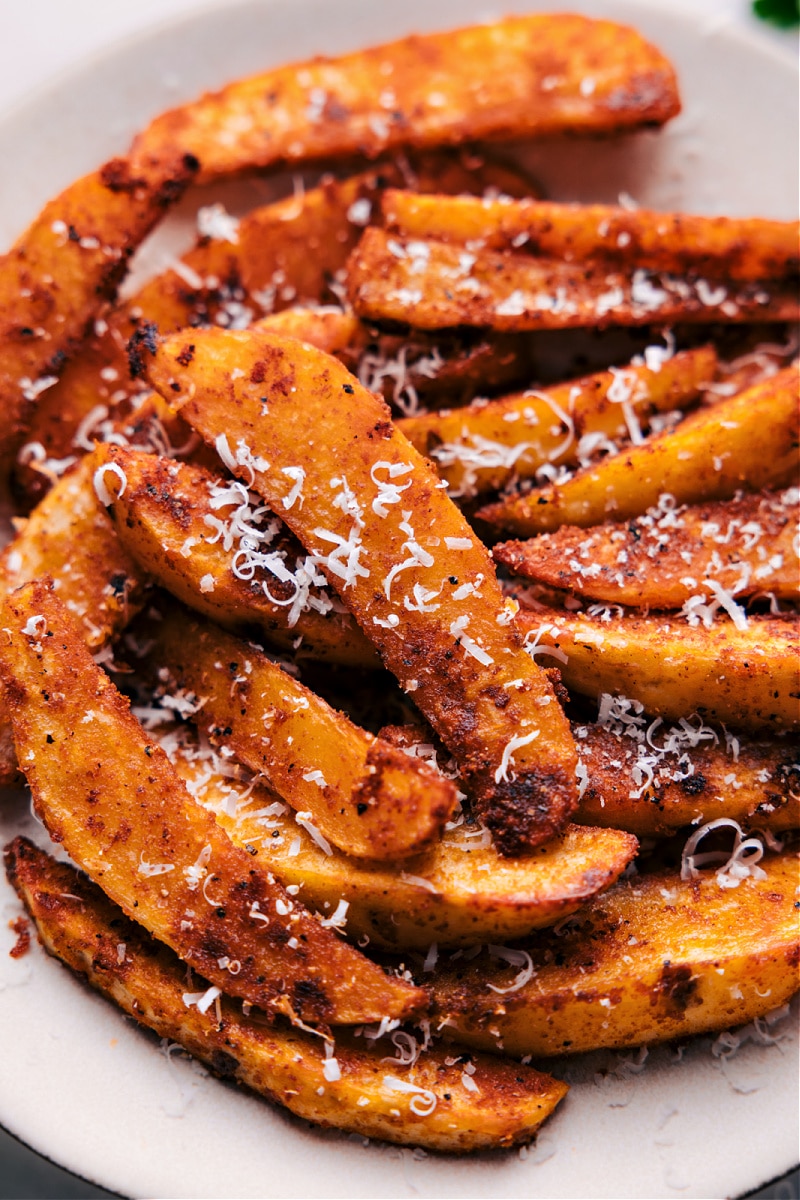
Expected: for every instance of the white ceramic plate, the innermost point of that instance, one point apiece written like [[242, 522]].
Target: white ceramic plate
[[90, 1090]]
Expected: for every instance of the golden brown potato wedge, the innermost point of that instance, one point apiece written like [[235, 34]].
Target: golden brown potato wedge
[[431, 284], [104, 789], [515, 78], [364, 795], [288, 252], [746, 677], [664, 558], [69, 538], [372, 514], [77, 924], [202, 538], [634, 781], [749, 248], [66, 264], [411, 368], [654, 958], [747, 441], [458, 893], [481, 447]]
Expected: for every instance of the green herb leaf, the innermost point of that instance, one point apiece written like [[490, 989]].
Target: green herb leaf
[[785, 13]]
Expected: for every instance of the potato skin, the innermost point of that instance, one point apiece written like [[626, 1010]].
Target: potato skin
[[655, 958], [465, 85], [749, 248], [745, 678], [147, 981]]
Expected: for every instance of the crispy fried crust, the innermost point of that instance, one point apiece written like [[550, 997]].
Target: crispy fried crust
[[662, 559], [71, 259], [166, 519], [288, 252], [479, 448], [754, 783], [460, 892], [400, 553], [79, 926], [88, 761], [431, 284], [482, 82], [748, 248], [743, 677], [69, 538], [653, 959], [747, 441], [364, 795]]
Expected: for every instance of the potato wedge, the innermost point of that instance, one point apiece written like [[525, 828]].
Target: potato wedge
[[653, 959], [110, 795], [69, 538], [662, 559], [480, 448], [744, 677], [630, 786], [201, 538], [431, 284], [373, 516], [749, 248], [748, 441], [458, 893], [288, 252], [57, 275], [363, 794], [77, 924], [516, 78]]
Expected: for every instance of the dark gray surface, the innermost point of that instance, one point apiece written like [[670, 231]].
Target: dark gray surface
[[25, 1175]]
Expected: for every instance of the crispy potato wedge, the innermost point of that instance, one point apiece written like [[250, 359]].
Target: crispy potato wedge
[[88, 763], [747, 441], [662, 559], [185, 527], [408, 368], [77, 924], [697, 958], [372, 514], [481, 447], [59, 272], [736, 958], [431, 284], [481, 82], [363, 794], [287, 252], [749, 248], [69, 538], [629, 787], [458, 893], [743, 677]]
